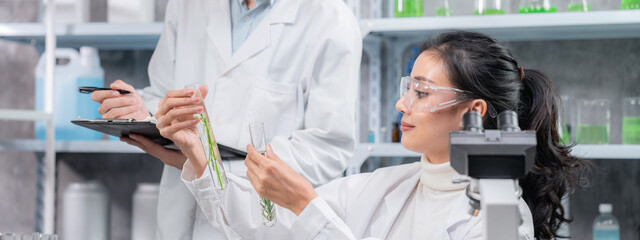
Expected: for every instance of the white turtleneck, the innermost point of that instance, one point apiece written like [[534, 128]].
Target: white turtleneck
[[429, 205]]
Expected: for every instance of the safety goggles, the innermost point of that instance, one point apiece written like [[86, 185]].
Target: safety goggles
[[424, 96]]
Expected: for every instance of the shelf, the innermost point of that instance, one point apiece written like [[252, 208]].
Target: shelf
[[102, 146], [510, 27], [515, 27], [364, 151], [101, 35]]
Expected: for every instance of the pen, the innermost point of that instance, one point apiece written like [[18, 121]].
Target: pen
[[92, 89]]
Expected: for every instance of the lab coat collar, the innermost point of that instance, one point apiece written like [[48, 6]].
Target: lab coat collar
[[219, 30]]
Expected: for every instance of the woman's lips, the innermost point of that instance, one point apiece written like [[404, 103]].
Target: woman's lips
[[405, 126]]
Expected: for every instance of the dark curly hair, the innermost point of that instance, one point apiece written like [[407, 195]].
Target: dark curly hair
[[485, 67]]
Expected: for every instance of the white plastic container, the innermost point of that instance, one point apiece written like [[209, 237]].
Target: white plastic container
[[144, 217], [79, 71], [128, 11], [86, 211]]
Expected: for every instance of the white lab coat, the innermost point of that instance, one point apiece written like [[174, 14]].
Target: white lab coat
[[363, 206], [297, 72]]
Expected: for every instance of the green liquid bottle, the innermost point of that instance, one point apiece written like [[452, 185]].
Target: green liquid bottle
[[592, 134], [409, 8], [631, 130], [630, 4]]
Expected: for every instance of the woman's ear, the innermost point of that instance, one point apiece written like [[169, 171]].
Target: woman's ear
[[478, 105]]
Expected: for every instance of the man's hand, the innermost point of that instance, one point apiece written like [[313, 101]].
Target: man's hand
[[122, 106], [169, 157]]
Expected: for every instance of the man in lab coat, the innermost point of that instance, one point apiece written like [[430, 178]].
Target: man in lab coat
[[292, 64]]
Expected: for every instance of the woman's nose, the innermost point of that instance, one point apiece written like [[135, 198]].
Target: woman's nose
[[401, 106]]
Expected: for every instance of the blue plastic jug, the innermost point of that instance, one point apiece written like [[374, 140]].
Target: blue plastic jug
[[68, 103]]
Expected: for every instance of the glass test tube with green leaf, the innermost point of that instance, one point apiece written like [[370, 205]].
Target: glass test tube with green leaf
[[209, 145], [259, 142]]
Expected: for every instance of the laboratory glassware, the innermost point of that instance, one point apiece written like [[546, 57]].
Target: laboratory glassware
[[209, 144], [537, 6], [259, 142], [629, 4], [490, 7], [443, 8], [579, 6], [409, 8], [631, 120], [593, 121]]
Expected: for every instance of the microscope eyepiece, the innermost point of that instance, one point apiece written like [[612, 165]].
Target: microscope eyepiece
[[508, 121], [472, 121]]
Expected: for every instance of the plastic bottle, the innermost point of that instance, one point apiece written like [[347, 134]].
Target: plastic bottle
[[605, 226], [144, 216], [86, 211], [68, 103]]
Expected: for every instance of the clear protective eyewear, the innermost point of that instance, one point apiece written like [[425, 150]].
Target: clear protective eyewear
[[424, 96]]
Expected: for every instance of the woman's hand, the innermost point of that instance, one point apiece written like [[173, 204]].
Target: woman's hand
[[177, 123], [275, 180]]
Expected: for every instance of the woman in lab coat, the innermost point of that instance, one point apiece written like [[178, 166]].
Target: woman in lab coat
[[296, 70], [456, 72]]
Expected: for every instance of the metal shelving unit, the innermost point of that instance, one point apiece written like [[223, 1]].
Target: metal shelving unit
[[394, 32], [106, 36], [515, 27], [103, 146]]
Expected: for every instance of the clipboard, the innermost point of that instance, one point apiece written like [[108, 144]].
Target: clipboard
[[147, 128]]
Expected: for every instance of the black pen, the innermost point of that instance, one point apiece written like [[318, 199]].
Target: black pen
[[92, 89]]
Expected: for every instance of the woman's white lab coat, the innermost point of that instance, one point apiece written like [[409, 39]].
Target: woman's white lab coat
[[297, 72], [362, 206]]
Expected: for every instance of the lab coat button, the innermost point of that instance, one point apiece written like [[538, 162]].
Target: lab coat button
[[246, 19]]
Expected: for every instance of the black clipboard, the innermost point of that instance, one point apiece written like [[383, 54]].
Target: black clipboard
[[123, 127]]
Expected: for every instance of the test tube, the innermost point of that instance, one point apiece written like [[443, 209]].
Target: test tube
[[209, 144], [259, 142]]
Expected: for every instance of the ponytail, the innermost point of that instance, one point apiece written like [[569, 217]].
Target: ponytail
[[485, 67], [556, 172]]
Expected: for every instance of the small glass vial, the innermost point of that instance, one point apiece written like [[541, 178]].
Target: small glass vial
[[490, 7], [209, 144]]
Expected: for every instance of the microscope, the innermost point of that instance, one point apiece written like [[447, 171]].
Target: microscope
[[494, 160]]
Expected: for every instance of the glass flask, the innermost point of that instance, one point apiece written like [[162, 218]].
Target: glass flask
[[629, 4], [490, 7], [443, 8]]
